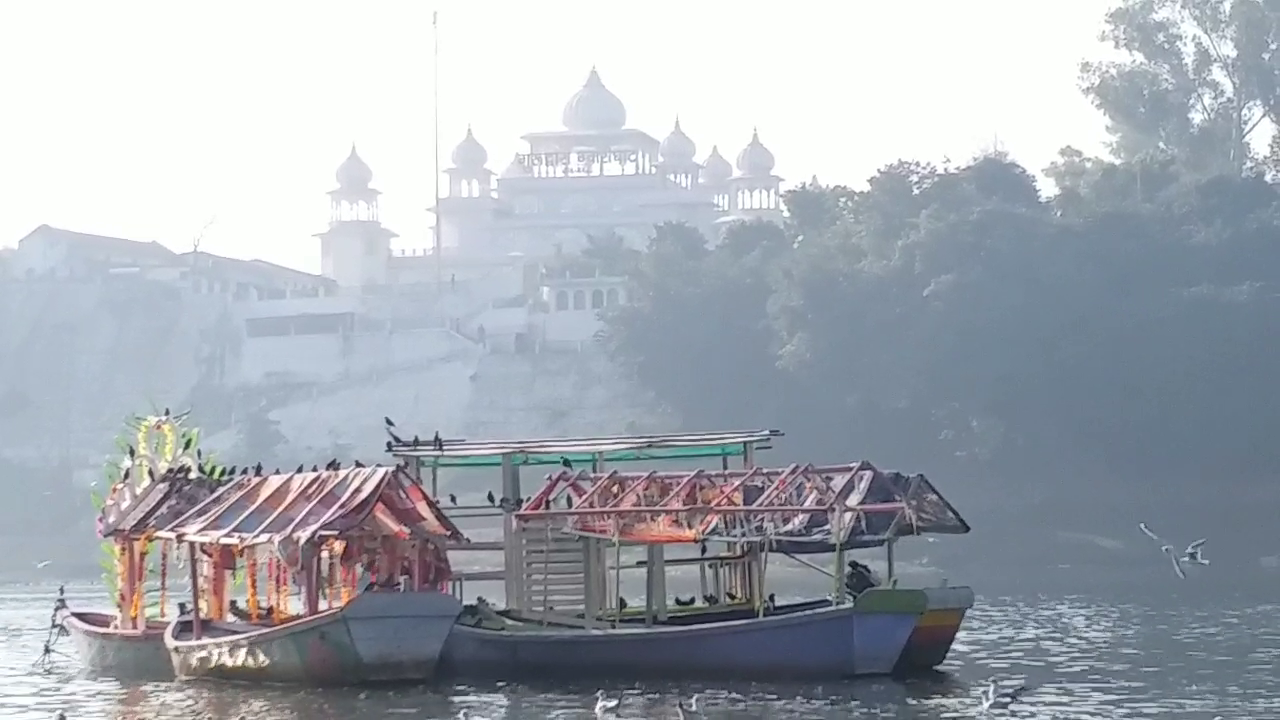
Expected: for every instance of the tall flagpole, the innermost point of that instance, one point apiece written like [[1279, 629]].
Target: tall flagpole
[[435, 129]]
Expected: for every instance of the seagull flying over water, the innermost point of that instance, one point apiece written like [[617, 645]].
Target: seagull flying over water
[[1192, 555], [993, 699], [604, 704]]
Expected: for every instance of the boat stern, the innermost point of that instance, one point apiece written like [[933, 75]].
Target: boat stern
[[885, 620], [936, 629]]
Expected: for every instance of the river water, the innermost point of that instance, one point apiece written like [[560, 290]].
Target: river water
[[1084, 658]]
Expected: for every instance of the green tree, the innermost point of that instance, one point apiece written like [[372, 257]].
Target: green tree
[[696, 331], [1198, 79]]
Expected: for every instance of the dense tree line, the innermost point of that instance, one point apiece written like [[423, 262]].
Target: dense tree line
[[1124, 320]]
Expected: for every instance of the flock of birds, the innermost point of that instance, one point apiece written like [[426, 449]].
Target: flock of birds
[[436, 443]]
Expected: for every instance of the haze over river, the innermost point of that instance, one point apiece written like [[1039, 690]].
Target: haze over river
[[1159, 654]]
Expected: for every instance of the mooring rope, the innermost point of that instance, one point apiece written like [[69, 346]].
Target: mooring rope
[[57, 630]]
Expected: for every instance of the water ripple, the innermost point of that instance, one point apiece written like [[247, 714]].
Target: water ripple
[[1084, 660]]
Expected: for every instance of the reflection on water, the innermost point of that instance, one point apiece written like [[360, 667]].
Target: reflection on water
[[1084, 660]]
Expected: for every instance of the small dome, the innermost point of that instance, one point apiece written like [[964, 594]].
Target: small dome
[[516, 169], [353, 173], [716, 169], [678, 147], [755, 159], [594, 108], [470, 154]]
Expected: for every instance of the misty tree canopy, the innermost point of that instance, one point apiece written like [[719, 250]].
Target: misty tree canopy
[[959, 314], [955, 314]]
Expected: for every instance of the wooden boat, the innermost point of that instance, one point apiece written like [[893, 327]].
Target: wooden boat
[[104, 648], [376, 637], [318, 529], [835, 641], [162, 480], [563, 554]]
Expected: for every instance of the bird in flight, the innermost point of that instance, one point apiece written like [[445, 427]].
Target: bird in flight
[[1193, 555]]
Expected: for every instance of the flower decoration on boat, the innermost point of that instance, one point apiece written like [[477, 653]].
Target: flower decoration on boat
[[160, 475]]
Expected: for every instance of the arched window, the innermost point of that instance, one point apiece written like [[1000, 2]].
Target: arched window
[[562, 300], [579, 300], [597, 299], [611, 297]]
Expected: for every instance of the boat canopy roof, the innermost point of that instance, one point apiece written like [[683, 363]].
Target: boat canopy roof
[[856, 505], [133, 511], [583, 451], [301, 507]]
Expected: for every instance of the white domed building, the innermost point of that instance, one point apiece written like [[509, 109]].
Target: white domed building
[[593, 177], [499, 233]]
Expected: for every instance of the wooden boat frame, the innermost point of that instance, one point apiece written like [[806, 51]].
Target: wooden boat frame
[[529, 596], [374, 516], [424, 462]]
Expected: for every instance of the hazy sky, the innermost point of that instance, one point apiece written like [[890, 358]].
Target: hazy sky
[[144, 119]]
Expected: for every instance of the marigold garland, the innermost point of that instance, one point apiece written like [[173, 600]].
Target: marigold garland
[[140, 583], [121, 575], [284, 592], [215, 576], [331, 577], [251, 574], [271, 585], [164, 577], [346, 585]]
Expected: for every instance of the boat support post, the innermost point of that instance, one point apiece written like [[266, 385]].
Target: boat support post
[[128, 584], [617, 576], [655, 586], [193, 560], [837, 525], [512, 560]]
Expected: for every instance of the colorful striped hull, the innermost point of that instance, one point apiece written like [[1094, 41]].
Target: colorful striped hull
[[936, 629]]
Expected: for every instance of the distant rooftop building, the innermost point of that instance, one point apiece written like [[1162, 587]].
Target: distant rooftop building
[[50, 252]]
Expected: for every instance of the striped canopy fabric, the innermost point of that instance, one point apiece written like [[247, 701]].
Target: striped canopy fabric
[[297, 508]]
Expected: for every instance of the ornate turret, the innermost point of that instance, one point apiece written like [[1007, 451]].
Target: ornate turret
[[516, 169], [754, 189], [469, 178], [470, 154], [715, 175], [594, 108], [677, 152], [678, 147], [353, 173], [755, 160], [356, 248]]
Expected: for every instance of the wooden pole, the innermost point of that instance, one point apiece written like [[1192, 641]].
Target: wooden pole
[[313, 584], [837, 525], [435, 152], [192, 558], [128, 586]]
